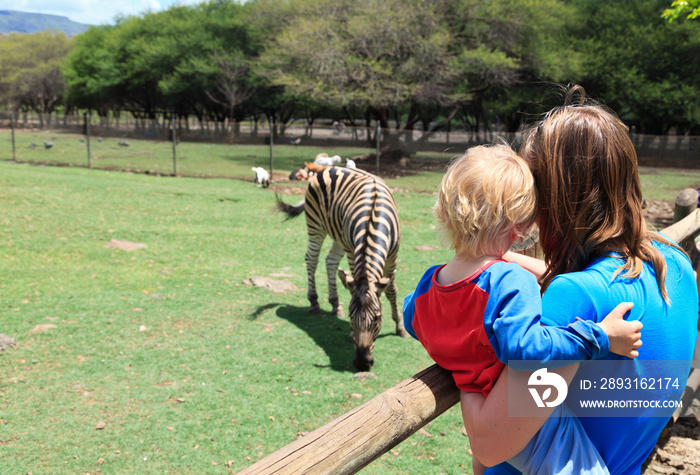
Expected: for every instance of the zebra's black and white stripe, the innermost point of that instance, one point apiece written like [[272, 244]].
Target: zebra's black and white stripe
[[358, 211]]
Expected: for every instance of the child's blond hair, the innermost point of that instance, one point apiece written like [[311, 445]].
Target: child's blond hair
[[484, 197]]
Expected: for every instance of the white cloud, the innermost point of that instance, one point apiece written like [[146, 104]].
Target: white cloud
[[95, 12]]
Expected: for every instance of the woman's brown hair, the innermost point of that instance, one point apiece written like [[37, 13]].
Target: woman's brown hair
[[588, 192]]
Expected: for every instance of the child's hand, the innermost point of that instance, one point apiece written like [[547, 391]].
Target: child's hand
[[624, 336]]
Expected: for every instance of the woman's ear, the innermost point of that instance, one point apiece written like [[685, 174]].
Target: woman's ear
[[516, 232], [523, 227]]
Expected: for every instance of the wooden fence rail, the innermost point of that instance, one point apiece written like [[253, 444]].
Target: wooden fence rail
[[356, 438]]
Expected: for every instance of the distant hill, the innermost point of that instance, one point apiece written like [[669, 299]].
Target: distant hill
[[21, 22]]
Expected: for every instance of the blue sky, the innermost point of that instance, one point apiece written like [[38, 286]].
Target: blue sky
[[91, 12]]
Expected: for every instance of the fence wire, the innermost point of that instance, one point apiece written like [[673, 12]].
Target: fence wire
[[200, 147]]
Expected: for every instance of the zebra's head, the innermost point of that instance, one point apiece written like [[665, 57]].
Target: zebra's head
[[365, 311]]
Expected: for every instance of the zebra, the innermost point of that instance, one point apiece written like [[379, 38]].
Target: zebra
[[358, 211]]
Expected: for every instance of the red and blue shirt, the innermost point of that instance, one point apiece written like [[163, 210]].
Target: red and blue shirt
[[476, 325]]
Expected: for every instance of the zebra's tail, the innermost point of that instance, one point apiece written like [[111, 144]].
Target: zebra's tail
[[290, 210]]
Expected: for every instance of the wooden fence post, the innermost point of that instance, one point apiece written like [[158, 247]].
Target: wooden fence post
[[686, 203], [87, 136], [271, 121], [172, 127], [12, 126]]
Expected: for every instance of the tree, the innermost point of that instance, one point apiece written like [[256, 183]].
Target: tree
[[511, 47], [30, 76], [372, 54], [183, 60], [230, 89], [642, 67], [204, 54], [91, 73], [679, 8]]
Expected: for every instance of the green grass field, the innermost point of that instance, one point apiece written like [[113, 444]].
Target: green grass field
[[188, 369], [136, 332]]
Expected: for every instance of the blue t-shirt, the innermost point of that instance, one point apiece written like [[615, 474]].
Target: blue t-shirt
[[669, 334]]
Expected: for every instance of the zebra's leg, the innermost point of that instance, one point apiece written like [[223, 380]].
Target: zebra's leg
[[351, 264], [351, 261], [312, 252], [332, 261], [391, 293]]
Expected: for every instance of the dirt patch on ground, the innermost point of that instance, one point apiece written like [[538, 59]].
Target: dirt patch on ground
[[425, 247], [276, 286], [678, 448], [658, 213], [287, 189], [125, 245]]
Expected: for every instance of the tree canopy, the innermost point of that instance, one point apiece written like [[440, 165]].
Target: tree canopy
[[410, 62]]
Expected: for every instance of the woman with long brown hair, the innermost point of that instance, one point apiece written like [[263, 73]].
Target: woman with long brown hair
[[598, 251]]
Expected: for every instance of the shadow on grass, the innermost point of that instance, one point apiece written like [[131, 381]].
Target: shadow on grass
[[329, 332]]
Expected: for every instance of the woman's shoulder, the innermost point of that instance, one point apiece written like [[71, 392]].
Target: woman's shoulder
[[669, 248], [605, 271], [598, 273]]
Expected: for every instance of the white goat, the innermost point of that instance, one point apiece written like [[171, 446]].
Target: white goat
[[324, 159], [262, 178], [350, 163]]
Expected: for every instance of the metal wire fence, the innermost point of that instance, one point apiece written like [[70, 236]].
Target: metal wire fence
[[198, 147]]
